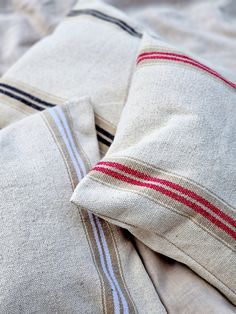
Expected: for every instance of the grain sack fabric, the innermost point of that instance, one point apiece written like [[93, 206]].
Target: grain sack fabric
[[56, 258], [170, 177], [92, 52], [180, 289]]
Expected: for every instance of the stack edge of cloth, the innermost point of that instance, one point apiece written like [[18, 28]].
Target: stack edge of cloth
[[117, 174]]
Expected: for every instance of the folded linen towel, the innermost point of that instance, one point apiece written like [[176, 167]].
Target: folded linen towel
[[56, 258], [92, 52], [82, 263], [170, 176]]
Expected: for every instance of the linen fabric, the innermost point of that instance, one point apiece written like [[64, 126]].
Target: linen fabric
[[57, 255], [169, 177], [80, 58], [56, 258], [207, 27]]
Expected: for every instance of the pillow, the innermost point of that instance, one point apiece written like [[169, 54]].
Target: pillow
[[81, 57], [56, 258], [170, 177]]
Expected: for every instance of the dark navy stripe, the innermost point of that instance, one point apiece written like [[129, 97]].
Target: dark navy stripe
[[107, 18], [34, 106], [34, 98], [104, 132], [24, 101], [103, 140]]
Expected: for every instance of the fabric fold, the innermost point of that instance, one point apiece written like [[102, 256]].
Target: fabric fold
[[56, 257], [91, 52], [169, 176]]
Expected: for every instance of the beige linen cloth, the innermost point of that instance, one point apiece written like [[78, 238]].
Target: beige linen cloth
[[207, 28], [204, 27], [168, 177]]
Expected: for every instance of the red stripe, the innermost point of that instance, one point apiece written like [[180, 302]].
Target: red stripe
[[172, 185], [178, 56], [170, 194], [183, 59]]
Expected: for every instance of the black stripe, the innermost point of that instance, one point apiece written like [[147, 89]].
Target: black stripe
[[103, 140], [106, 133], [24, 101], [34, 98], [107, 18], [34, 106]]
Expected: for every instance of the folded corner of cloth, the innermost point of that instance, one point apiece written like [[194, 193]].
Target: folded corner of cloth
[[164, 120], [169, 177], [54, 256]]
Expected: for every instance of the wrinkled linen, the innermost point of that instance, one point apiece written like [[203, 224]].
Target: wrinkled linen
[[167, 177], [151, 227], [57, 258], [203, 27]]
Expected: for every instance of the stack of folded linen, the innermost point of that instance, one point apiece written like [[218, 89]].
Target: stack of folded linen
[[117, 174]]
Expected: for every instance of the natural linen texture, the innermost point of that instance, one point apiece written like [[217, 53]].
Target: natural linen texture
[[56, 258], [92, 52], [170, 176], [60, 258]]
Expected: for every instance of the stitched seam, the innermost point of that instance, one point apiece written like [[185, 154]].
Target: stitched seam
[[60, 151], [163, 237], [119, 264], [168, 208]]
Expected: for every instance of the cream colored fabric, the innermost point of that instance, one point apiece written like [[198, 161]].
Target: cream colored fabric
[[204, 27], [169, 177], [180, 289], [77, 61], [23, 23], [54, 256]]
